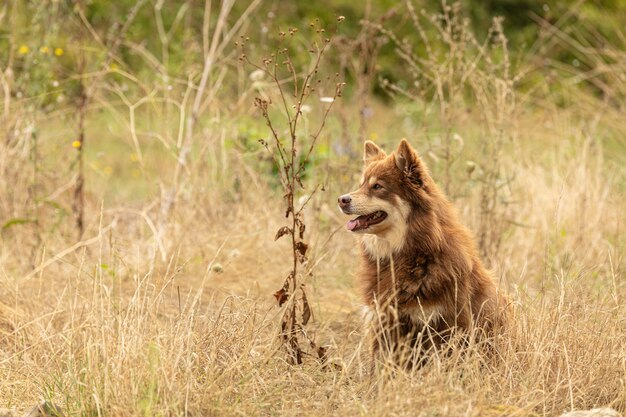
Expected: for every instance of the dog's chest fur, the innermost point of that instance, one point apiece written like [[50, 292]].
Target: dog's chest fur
[[398, 281], [375, 247]]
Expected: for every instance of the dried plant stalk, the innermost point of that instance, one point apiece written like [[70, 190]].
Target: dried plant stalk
[[290, 155]]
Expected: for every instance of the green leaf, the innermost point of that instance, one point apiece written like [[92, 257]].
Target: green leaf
[[16, 221]]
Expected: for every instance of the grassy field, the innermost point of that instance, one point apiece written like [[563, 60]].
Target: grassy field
[[163, 304]]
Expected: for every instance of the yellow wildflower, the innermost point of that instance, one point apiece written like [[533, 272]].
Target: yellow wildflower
[[76, 144], [113, 66], [24, 49], [58, 51], [44, 50], [108, 170], [133, 157]]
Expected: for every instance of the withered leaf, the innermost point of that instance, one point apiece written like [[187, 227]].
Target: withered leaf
[[281, 296], [301, 230], [282, 232], [321, 353], [306, 311], [302, 247]]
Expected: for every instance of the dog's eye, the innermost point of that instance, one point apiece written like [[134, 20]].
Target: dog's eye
[[377, 186]]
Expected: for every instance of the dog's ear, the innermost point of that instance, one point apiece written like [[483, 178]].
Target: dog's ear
[[371, 152], [409, 162]]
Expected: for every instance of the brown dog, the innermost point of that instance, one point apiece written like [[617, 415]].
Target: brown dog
[[421, 273]]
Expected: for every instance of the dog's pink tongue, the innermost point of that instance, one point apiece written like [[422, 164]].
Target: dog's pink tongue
[[352, 224]]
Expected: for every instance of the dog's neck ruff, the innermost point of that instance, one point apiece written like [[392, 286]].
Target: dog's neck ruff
[[380, 248]]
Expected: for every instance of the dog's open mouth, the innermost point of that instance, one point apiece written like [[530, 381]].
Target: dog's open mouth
[[366, 220]]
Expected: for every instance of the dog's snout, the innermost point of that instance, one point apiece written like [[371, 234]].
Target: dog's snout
[[344, 200]]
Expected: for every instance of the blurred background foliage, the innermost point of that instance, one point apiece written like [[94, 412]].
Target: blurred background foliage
[[45, 38], [141, 62]]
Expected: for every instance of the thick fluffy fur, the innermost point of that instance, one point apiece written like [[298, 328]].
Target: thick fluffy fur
[[420, 270]]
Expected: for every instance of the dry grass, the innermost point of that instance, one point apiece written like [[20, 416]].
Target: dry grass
[[173, 314], [110, 327]]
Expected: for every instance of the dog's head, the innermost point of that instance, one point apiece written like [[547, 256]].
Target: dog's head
[[392, 187]]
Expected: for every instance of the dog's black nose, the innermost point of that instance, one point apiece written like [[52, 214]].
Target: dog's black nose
[[344, 200]]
